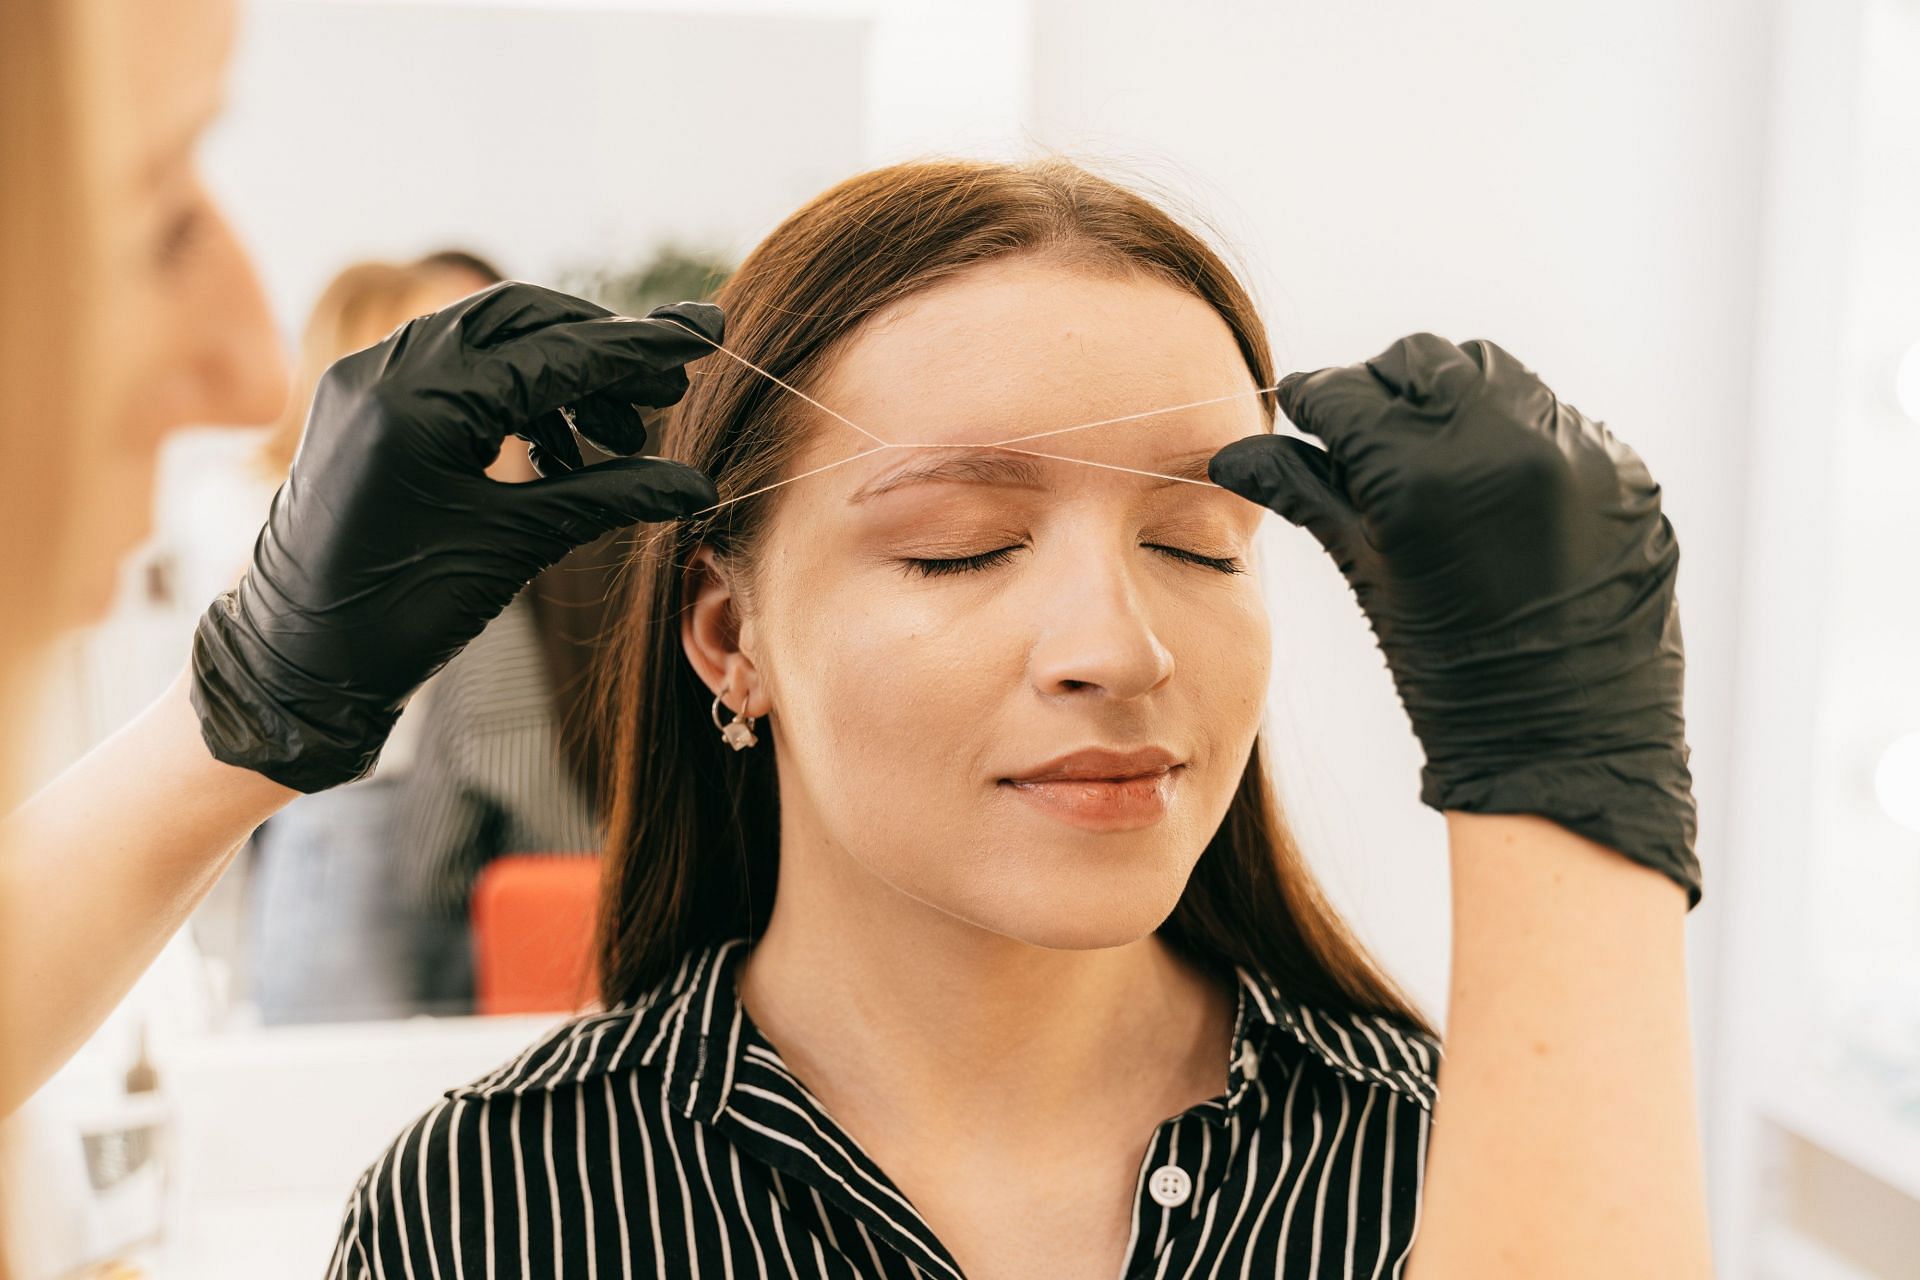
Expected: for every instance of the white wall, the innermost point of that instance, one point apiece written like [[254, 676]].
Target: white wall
[[547, 136], [1577, 181]]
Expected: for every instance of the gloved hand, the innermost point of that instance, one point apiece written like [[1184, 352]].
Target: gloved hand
[[388, 548], [1512, 559]]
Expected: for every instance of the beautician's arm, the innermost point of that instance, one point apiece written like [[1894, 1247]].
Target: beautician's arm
[[1511, 557], [1564, 1142], [100, 869], [385, 552]]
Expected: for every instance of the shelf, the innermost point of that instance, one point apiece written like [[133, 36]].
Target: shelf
[[1787, 1255], [1848, 1122]]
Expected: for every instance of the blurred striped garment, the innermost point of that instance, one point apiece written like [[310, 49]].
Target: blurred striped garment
[[488, 775]]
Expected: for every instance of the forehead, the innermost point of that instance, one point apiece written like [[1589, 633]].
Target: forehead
[[1026, 345], [169, 64]]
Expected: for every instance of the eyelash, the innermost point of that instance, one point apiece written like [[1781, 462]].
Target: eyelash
[[988, 559]]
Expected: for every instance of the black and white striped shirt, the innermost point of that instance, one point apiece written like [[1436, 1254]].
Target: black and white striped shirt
[[667, 1138]]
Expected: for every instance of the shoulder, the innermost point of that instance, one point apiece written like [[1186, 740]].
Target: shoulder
[[407, 1202], [390, 1212]]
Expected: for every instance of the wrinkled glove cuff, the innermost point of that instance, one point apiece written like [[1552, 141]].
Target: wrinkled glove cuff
[[1638, 803], [295, 732]]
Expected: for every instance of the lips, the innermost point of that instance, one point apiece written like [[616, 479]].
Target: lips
[[1101, 764], [1102, 790]]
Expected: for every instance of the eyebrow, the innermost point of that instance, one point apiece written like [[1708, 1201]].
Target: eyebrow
[[1007, 468]]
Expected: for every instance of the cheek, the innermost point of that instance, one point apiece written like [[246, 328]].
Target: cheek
[[106, 519], [895, 689], [872, 682], [1228, 649]]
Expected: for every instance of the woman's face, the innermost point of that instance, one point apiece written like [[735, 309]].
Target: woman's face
[[185, 334], [1018, 690]]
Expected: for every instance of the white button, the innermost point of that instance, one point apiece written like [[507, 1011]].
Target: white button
[[1249, 1061], [1170, 1186]]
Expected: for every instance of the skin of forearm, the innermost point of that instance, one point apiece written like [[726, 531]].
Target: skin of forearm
[[99, 869], [1565, 1140]]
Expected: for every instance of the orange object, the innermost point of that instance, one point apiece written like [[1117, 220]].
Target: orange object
[[533, 927]]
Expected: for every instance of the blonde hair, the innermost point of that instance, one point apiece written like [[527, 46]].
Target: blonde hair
[[361, 305]]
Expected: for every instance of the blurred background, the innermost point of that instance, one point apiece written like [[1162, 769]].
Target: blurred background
[[1696, 220]]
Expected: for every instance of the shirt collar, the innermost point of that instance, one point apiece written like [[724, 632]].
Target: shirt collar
[[692, 1031]]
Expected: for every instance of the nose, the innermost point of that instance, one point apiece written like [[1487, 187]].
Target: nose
[[238, 368], [1098, 634]]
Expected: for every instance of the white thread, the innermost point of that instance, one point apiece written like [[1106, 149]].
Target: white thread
[[767, 488], [1145, 413], [733, 355], [1004, 445]]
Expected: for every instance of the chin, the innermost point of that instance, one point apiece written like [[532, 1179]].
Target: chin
[[1084, 934], [1083, 915], [99, 536]]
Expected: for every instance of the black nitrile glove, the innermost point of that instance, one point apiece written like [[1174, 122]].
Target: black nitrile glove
[[388, 547], [1512, 559]]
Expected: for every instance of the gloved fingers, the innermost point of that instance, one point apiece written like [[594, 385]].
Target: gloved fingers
[[1343, 405], [611, 421], [563, 363], [551, 447], [1428, 372], [513, 309], [1524, 398], [1291, 477], [1496, 363], [556, 514], [618, 427], [703, 317]]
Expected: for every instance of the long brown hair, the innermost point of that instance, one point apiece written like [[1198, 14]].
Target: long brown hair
[[693, 828]]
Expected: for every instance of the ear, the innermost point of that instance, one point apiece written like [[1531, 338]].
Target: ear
[[716, 640]]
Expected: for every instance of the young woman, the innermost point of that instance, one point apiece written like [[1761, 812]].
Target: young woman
[[951, 925]]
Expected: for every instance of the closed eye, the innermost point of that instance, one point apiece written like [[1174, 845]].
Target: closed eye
[[928, 568]]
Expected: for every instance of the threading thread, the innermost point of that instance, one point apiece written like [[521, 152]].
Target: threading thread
[[1134, 417], [783, 385], [1006, 445]]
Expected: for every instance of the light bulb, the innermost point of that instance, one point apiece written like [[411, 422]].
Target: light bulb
[[1896, 781]]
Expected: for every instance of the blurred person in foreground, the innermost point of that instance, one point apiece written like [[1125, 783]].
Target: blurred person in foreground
[[130, 311]]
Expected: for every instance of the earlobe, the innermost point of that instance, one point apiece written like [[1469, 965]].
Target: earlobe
[[711, 633]]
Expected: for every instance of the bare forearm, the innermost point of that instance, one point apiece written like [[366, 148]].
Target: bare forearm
[[1565, 1141], [100, 869]]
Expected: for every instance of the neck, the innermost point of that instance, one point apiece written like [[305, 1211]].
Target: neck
[[914, 1017]]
